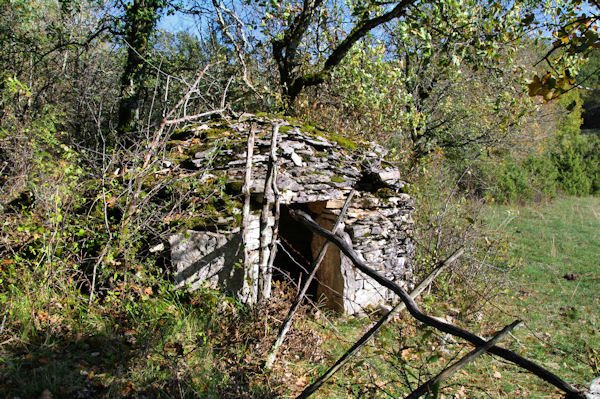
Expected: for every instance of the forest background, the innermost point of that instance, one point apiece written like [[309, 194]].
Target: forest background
[[478, 102]]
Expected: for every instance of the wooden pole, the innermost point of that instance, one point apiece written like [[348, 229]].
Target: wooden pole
[[264, 280], [433, 384], [246, 207], [285, 326], [365, 338]]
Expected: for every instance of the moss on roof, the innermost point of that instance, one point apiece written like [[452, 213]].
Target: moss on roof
[[204, 153]]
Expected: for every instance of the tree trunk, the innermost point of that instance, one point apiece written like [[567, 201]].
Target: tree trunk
[[139, 21]]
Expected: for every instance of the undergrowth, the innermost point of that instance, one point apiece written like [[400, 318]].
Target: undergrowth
[[151, 342]]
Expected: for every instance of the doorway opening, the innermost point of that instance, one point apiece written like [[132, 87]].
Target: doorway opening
[[294, 258]]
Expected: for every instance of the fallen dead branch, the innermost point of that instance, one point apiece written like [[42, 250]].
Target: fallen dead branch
[[365, 338], [432, 385], [570, 391]]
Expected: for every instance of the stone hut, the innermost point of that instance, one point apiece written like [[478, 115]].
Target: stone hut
[[315, 172]]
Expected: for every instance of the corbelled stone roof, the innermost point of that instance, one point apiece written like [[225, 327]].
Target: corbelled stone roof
[[313, 165]]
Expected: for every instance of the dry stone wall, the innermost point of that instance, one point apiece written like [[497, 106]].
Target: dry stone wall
[[379, 231], [319, 172]]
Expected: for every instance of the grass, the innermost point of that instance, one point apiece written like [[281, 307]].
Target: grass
[[590, 132], [149, 341], [561, 325], [554, 289], [145, 342]]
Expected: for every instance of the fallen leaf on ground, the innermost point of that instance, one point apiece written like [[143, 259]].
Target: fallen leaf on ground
[[301, 381]]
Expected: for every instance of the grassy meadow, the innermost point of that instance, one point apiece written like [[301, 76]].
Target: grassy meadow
[[554, 287]]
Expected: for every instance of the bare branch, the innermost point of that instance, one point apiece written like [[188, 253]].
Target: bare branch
[[239, 51], [193, 117], [247, 196], [414, 310], [264, 280], [365, 338], [434, 383]]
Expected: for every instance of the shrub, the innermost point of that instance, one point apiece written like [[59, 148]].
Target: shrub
[[572, 171], [592, 162], [577, 160], [542, 176], [512, 182], [508, 180], [571, 165]]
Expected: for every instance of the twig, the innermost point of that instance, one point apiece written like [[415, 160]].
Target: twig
[[239, 51], [164, 111], [365, 338], [414, 310], [224, 96], [106, 224], [190, 118], [138, 181], [94, 272], [433, 384], [302, 292]]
